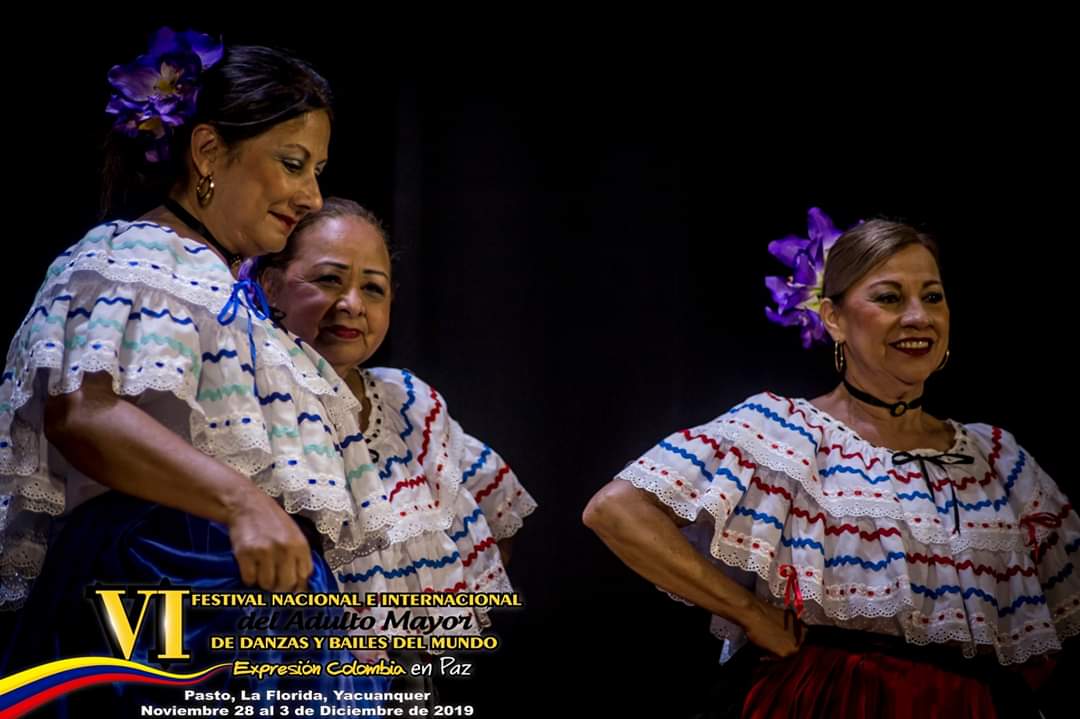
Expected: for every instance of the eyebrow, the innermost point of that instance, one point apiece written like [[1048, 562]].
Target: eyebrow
[[341, 266], [301, 148], [893, 283]]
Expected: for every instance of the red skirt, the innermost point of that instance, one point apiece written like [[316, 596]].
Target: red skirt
[[849, 675]]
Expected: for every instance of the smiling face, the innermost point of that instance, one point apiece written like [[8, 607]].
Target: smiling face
[[266, 184], [336, 290], [894, 322]]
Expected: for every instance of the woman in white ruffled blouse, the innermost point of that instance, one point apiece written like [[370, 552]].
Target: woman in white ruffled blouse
[[147, 399], [455, 502], [922, 554]]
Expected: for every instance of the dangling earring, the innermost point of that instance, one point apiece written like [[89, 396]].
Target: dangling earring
[[839, 361], [204, 191], [944, 361]]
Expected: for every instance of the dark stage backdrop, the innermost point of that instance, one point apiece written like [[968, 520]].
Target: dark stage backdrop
[[582, 225]]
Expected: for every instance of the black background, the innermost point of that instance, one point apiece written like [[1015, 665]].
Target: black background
[[582, 216]]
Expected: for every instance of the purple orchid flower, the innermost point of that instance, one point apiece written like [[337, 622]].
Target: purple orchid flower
[[158, 91], [248, 269], [798, 297], [167, 42]]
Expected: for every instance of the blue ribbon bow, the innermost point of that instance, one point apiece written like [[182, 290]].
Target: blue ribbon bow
[[248, 294]]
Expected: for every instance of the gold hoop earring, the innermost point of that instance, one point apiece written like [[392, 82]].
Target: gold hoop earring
[[204, 191], [839, 361], [944, 361]]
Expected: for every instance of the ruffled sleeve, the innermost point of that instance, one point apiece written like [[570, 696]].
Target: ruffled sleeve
[[702, 469], [495, 488], [444, 536], [1046, 603], [138, 303], [932, 550]]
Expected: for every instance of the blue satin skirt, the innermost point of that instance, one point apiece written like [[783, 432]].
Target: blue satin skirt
[[119, 540]]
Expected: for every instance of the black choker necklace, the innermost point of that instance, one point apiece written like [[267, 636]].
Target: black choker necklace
[[896, 409], [232, 259]]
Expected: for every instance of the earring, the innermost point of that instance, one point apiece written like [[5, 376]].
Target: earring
[[944, 361], [839, 361], [204, 191]]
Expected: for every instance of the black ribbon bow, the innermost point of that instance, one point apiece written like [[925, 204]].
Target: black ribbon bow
[[942, 460]]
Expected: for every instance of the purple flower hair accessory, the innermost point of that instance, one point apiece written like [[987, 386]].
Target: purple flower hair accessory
[[798, 296], [249, 268], [157, 92]]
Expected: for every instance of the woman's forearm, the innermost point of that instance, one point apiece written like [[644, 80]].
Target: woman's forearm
[[646, 537], [119, 445], [116, 443]]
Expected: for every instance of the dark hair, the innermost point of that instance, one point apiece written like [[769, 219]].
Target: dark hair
[[249, 91], [332, 207], [864, 247]]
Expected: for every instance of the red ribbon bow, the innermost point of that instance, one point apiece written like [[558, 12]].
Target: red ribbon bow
[[792, 593], [1043, 519]]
